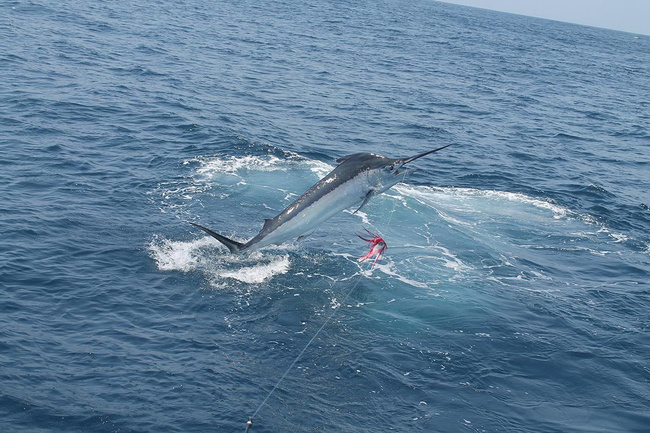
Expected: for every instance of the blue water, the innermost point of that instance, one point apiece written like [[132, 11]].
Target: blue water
[[514, 294]]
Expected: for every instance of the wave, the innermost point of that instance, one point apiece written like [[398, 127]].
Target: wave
[[444, 194], [444, 233]]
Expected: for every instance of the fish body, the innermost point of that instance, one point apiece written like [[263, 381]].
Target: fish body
[[356, 179]]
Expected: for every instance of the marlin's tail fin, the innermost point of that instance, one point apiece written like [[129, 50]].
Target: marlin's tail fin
[[233, 246]]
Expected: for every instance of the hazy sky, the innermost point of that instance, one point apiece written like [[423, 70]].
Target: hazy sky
[[627, 15]]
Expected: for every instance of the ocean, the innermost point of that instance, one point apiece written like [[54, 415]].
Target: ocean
[[514, 295]]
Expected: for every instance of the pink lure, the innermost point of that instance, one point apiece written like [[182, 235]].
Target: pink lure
[[377, 247]]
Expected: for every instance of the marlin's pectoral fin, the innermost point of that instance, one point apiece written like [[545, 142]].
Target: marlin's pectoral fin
[[365, 200]]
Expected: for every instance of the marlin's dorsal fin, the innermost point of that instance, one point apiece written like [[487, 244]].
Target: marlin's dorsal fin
[[346, 157], [267, 221]]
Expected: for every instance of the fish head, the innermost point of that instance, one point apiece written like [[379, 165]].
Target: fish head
[[384, 172], [391, 171]]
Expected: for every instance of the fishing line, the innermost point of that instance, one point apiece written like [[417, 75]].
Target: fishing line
[[390, 216], [249, 423]]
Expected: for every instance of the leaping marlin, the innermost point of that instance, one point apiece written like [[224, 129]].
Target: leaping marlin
[[357, 178]]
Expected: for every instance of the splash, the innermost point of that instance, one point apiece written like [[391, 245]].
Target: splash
[[259, 273], [242, 165], [182, 256], [204, 256], [436, 234]]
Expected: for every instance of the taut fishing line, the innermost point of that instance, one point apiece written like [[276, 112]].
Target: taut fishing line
[[249, 423]]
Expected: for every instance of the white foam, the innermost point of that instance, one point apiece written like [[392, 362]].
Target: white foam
[[388, 269], [239, 165], [364, 216], [444, 194], [319, 167], [236, 164], [177, 255], [450, 260], [259, 273], [619, 237], [205, 256]]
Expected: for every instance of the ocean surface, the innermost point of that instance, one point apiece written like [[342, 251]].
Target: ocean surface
[[514, 295]]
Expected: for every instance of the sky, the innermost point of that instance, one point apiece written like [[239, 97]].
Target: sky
[[626, 15]]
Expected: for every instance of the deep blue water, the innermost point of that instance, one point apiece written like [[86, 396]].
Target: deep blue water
[[514, 294]]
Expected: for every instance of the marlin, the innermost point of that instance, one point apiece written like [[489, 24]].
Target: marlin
[[356, 179]]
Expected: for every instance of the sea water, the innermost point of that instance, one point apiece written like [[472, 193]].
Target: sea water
[[513, 295]]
